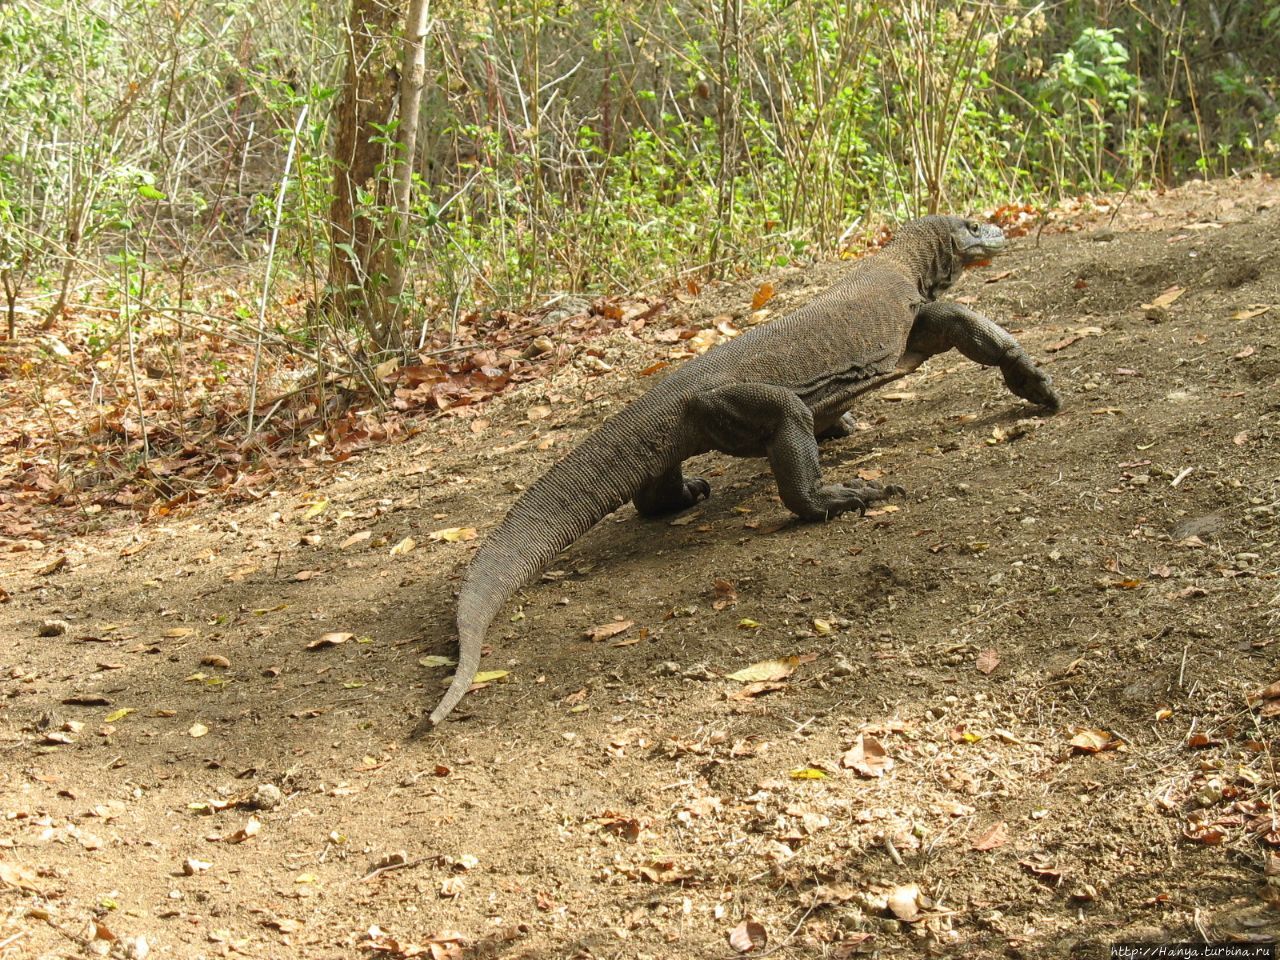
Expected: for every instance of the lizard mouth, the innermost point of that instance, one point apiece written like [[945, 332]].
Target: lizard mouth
[[977, 243]]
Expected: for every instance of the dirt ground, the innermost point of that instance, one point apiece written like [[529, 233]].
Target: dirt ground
[[1022, 720]]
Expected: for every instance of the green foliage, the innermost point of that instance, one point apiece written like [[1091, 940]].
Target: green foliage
[[591, 146]]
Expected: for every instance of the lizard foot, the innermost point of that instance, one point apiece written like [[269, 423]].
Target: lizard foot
[[695, 489], [844, 427], [1032, 384], [837, 498]]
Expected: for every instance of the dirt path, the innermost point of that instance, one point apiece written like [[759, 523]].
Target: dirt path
[[1053, 639]]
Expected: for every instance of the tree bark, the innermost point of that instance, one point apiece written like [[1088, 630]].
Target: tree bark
[[367, 98], [413, 73]]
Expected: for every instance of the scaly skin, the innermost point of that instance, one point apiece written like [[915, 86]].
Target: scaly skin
[[772, 392]]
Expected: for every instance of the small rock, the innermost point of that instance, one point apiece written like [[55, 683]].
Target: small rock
[[669, 668], [266, 796], [843, 668], [699, 672], [53, 628]]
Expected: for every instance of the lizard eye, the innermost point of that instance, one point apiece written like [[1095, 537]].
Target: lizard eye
[[973, 228]]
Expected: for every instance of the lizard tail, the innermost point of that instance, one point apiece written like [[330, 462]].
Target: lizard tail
[[600, 475]]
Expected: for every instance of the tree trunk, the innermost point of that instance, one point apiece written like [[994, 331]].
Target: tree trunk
[[367, 98], [390, 312]]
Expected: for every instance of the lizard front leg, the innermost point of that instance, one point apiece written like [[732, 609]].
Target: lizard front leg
[[941, 326], [749, 419]]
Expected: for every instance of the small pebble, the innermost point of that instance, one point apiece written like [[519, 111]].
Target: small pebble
[[266, 796], [843, 668], [699, 673]]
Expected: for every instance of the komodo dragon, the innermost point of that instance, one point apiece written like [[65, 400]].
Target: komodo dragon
[[773, 391]]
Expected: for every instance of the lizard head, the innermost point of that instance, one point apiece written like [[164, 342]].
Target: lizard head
[[974, 242], [938, 248]]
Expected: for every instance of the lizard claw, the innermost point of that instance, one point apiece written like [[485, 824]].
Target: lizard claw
[[695, 489]]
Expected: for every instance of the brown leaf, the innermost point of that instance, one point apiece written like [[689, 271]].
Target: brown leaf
[[607, 630], [1254, 310], [1063, 343], [1269, 692], [453, 534], [662, 871], [766, 670], [868, 757], [1207, 833], [1043, 868], [1244, 354], [1165, 299], [726, 593], [355, 538], [764, 293], [995, 836], [748, 935], [988, 660], [250, 829], [753, 690], [904, 902], [1091, 740], [53, 566], [329, 640]]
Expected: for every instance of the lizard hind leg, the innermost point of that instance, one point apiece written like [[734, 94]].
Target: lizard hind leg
[[670, 492]]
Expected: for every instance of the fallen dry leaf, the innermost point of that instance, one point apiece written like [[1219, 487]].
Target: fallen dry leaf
[[764, 293], [748, 935], [355, 538], [988, 660], [997, 835], [725, 592], [251, 828], [329, 640], [1063, 343], [403, 547], [1091, 739], [1165, 299], [753, 690], [904, 902], [453, 534], [607, 630], [808, 773], [315, 509], [868, 757], [1253, 310], [53, 566], [765, 670]]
